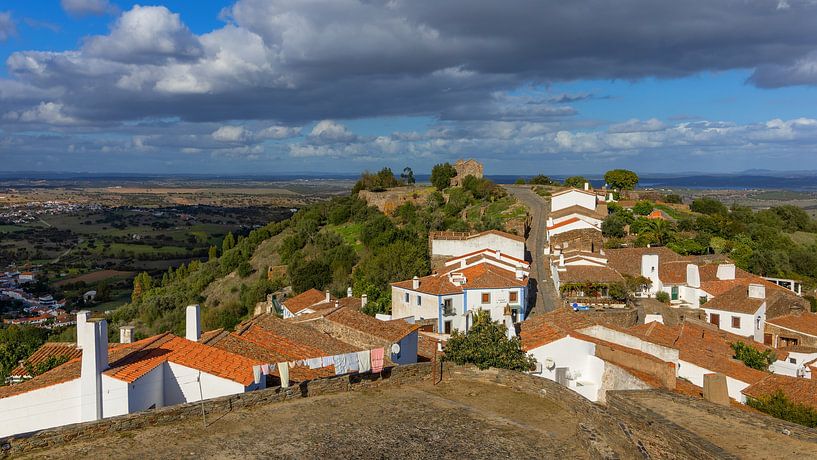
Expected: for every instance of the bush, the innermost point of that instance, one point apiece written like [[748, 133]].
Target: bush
[[673, 198], [643, 207], [576, 181], [540, 179], [441, 175], [487, 345], [779, 406], [614, 226], [708, 206], [662, 297], [380, 181], [752, 357], [244, 269]]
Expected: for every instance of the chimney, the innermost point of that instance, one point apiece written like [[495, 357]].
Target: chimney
[[193, 323], [462, 263], [693, 276], [82, 334], [415, 283], [550, 222], [328, 296], [726, 272], [364, 299], [561, 260], [757, 291], [349, 291], [610, 196], [520, 274], [498, 254], [94, 361], [126, 334]]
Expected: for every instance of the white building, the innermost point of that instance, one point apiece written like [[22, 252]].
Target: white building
[[487, 280], [740, 311], [456, 244], [108, 381], [573, 197]]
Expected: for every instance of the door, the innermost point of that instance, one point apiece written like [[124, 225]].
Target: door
[[767, 339], [561, 376], [674, 293], [448, 327], [715, 319]]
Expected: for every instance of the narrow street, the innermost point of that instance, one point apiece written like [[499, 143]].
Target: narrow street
[[541, 283]]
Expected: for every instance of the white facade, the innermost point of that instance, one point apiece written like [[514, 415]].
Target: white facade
[[794, 365], [456, 248], [575, 225], [573, 197], [695, 374], [745, 325], [576, 360]]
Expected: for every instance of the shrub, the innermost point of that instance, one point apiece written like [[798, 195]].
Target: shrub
[[576, 181], [752, 357], [708, 206], [487, 345], [441, 175], [779, 406], [662, 297]]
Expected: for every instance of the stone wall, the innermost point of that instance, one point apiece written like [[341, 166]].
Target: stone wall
[[663, 372], [466, 168], [777, 333], [671, 315], [393, 198], [621, 317]]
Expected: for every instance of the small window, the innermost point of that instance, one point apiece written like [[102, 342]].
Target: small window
[[736, 322], [486, 297], [419, 300], [792, 360], [406, 297], [514, 297]]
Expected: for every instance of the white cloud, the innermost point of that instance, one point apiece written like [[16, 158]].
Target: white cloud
[[230, 134], [7, 27], [46, 112], [330, 131], [88, 7], [278, 132]]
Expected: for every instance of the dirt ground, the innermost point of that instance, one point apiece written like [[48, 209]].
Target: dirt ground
[[456, 419]]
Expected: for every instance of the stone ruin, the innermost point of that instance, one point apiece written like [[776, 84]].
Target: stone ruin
[[467, 168]]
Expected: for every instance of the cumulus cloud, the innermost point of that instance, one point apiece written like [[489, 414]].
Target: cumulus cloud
[[87, 7], [230, 134], [46, 113], [328, 131], [7, 27]]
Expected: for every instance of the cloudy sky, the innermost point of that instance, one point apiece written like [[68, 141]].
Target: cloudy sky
[[277, 86]]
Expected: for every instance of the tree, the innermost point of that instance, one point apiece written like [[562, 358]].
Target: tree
[[752, 357], [441, 175], [709, 206], [576, 181], [244, 269], [621, 179], [212, 253], [377, 182], [643, 207], [673, 198], [540, 179], [486, 345], [141, 283], [228, 243], [519, 181], [307, 275], [658, 231], [614, 225], [408, 176]]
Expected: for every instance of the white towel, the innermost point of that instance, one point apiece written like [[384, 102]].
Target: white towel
[[283, 372], [256, 374], [341, 364], [351, 362], [314, 363], [364, 358], [327, 361]]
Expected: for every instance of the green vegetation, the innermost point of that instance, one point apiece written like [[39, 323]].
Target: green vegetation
[[487, 345], [621, 179], [41, 368], [18, 343], [378, 182], [575, 181], [441, 175], [779, 406], [662, 297], [752, 357]]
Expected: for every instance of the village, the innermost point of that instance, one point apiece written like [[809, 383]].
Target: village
[[594, 320]]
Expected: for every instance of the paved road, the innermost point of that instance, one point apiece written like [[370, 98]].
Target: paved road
[[546, 297]]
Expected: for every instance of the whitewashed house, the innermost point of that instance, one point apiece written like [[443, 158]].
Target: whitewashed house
[[740, 311], [573, 197], [107, 381], [487, 280]]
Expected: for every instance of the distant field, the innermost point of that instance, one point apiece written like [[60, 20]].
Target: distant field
[[11, 228], [94, 277], [804, 238]]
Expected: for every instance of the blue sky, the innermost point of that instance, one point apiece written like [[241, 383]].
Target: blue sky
[[277, 86]]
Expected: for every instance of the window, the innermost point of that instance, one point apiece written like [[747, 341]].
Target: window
[[448, 307], [514, 297], [486, 297], [406, 297], [419, 300], [736, 322], [792, 360]]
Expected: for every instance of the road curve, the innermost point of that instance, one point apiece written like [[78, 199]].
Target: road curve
[[541, 282]]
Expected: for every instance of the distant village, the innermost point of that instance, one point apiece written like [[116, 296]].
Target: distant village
[[678, 332]]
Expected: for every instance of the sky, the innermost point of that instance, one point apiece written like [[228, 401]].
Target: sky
[[341, 86]]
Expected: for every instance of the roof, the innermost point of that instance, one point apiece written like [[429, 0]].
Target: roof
[[49, 350], [483, 275], [798, 390], [627, 261], [392, 331], [673, 272], [803, 323], [545, 328], [486, 253], [291, 339], [586, 192], [588, 273], [564, 222], [735, 300], [304, 300], [468, 236], [576, 209]]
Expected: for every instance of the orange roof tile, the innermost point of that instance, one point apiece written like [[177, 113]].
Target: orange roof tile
[[735, 300], [576, 209], [589, 273], [798, 390], [481, 276], [563, 223], [627, 261], [49, 350], [304, 300], [804, 323]]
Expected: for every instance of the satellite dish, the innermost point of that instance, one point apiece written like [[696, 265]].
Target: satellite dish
[[395, 349], [550, 364]]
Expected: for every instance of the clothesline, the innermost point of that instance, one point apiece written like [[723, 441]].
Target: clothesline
[[361, 361]]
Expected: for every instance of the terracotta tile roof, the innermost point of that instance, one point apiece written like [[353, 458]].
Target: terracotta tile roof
[[48, 350], [542, 329], [657, 333], [586, 192], [673, 272], [590, 234], [587, 273], [576, 209], [392, 331], [735, 300], [481, 276], [627, 261], [798, 390], [563, 223], [426, 345], [208, 336], [304, 300], [804, 323], [291, 339], [60, 374]]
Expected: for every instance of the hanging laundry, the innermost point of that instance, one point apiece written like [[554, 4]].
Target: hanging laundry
[[265, 369], [377, 359], [363, 358], [293, 363], [283, 372], [351, 362], [341, 364], [256, 374], [314, 363], [327, 361]]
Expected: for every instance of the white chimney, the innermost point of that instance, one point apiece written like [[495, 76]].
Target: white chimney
[[94, 361], [587, 186], [349, 291], [693, 276], [193, 323], [550, 222], [757, 291], [726, 272], [462, 263], [82, 334], [649, 269], [520, 274], [610, 197], [415, 283], [328, 296], [561, 260], [126, 334], [498, 254], [364, 299]]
